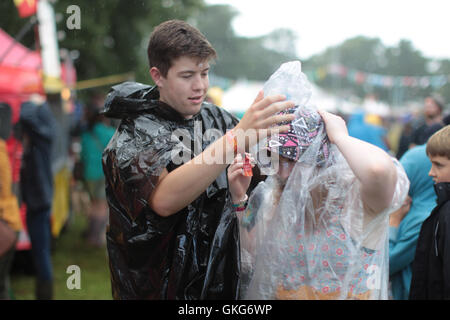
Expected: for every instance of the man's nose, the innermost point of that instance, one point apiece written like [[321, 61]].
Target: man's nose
[[199, 83]]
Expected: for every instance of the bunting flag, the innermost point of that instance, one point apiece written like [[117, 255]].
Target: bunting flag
[[26, 8], [378, 80]]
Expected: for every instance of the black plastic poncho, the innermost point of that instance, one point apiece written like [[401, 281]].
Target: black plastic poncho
[[193, 254]]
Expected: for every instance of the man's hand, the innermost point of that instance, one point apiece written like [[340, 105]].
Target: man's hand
[[262, 114]]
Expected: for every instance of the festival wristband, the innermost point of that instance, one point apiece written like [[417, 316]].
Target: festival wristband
[[240, 206]]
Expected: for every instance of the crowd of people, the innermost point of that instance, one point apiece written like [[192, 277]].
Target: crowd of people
[[179, 194]]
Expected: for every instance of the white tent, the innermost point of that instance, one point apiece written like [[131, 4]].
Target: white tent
[[372, 106], [242, 93]]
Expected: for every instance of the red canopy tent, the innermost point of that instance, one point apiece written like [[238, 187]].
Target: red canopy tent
[[20, 73], [20, 77]]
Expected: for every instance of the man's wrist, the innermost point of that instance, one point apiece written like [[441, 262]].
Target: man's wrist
[[240, 201]]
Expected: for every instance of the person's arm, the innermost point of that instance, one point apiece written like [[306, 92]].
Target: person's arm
[[177, 189], [372, 166]]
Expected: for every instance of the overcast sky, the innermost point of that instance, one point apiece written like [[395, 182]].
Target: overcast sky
[[323, 23]]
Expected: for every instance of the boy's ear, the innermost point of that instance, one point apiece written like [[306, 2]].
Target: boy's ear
[[156, 76]]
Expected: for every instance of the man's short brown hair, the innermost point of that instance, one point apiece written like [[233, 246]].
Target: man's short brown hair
[[173, 39], [439, 143]]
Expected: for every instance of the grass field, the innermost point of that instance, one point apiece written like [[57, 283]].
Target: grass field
[[70, 249]]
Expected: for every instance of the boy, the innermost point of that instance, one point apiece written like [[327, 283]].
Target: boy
[[431, 266], [172, 231]]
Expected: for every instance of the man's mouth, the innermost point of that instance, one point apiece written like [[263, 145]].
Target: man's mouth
[[196, 99]]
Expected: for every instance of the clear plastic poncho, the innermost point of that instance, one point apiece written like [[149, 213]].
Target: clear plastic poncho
[[312, 239]]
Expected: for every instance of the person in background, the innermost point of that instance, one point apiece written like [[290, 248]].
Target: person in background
[[360, 129], [405, 135], [431, 266], [433, 120], [38, 127], [94, 139], [405, 223], [10, 221]]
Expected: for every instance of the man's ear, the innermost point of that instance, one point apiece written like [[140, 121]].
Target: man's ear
[[156, 76]]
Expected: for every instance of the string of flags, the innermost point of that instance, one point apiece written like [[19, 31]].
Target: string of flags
[[377, 80]]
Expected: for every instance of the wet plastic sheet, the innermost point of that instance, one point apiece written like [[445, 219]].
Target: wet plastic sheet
[[193, 254], [312, 239]]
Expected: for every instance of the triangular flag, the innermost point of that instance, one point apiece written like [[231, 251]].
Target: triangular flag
[[26, 7]]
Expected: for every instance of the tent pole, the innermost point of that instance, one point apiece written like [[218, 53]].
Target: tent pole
[[19, 36]]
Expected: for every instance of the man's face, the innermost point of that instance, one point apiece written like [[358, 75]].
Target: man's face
[[431, 109], [440, 169], [185, 86]]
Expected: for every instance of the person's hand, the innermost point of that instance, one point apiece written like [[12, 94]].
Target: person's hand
[[396, 217], [238, 182], [262, 114], [334, 125]]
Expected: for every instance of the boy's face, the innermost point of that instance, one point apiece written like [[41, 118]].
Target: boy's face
[[185, 86], [440, 169]]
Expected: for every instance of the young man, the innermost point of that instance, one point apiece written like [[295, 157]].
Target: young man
[[172, 230], [431, 266]]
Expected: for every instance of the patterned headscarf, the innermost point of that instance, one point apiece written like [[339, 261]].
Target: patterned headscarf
[[302, 133]]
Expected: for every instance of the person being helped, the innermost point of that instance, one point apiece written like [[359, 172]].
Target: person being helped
[[172, 230], [317, 229], [431, 266]]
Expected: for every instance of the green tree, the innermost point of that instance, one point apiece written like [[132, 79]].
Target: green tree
[[242, 57], [370, 55], [113, 35]]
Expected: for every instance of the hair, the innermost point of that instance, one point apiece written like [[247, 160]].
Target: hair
[[439, 143], [173, 39]]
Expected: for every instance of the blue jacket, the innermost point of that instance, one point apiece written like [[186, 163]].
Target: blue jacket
[[358, 128], [403, 240], [93, 143], [36, 177]]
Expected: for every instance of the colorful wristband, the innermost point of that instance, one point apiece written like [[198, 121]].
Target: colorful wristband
[[240, 206]]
